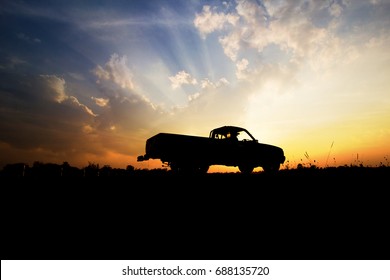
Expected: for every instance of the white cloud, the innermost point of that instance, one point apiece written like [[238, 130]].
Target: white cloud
[[231, 45], [75, 102], [102, 102], [252, 13], [289, 28], [57, 93], [335, 10], [286, 25], [207, 84], [57, 85], [88, 129], [378, 41], [124, 109], [241, 69], [208, 22], [182, 78], [193, 96], [117, 71], [222, 82]]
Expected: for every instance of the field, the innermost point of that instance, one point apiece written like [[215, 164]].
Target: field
[[339, 178], [333, 213]]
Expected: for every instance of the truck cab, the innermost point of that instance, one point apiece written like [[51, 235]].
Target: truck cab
[[231, 132]]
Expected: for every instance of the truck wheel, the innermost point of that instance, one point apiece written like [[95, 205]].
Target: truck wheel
[[203, 169], [246, 169], [191, 169], [174, 167], [271, 168]]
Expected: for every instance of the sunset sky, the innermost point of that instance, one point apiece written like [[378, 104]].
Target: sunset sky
[[90, 81]]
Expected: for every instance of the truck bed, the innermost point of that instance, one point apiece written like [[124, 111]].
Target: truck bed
[[170, 146]]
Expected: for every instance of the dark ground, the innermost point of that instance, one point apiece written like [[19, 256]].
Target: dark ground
[[334, 213]]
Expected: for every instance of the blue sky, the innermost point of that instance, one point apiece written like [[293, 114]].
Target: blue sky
[[92, 80]]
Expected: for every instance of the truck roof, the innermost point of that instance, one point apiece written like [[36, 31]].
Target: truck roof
[[224, 130]]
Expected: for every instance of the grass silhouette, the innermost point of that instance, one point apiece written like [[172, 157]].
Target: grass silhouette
[[41, 169]]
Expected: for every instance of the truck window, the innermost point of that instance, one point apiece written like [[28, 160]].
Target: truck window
[[242, 136], [219, 136]]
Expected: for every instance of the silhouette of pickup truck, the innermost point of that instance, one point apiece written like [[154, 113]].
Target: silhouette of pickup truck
[[226, 145]]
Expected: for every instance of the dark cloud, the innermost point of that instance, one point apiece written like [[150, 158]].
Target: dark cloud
[[36, 114]]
